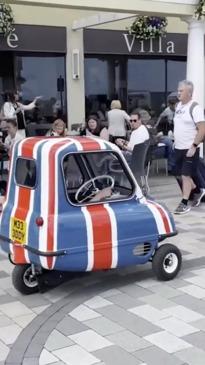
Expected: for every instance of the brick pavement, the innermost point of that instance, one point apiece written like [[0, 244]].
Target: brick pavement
[[115, 317]]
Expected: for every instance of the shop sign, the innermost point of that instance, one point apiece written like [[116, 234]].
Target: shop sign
[[98, 41], [35, 38], [149, 46]]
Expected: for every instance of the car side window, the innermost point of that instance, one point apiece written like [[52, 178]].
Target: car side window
[[25, 173]]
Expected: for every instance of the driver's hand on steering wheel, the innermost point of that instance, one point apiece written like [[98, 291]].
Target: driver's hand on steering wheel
[[102, 194]]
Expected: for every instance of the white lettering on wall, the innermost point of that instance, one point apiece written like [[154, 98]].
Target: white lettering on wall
[[170, 47], [129, 45], [148, 46], [12, 38]]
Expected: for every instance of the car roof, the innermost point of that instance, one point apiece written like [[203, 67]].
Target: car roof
[[67, 144]]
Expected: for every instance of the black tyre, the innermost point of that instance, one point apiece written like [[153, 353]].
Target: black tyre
[[23, 279], [166, 262]]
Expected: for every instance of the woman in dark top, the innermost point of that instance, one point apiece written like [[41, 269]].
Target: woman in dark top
[[93, 128]]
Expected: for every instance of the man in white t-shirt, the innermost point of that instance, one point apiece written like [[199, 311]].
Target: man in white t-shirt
[[189, 132], [139, 133]]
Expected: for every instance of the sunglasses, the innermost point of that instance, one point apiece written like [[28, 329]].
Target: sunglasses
[[134, 120]]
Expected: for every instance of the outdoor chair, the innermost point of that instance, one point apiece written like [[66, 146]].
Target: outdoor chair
[[37, 129], [138, 163], [152, 157]]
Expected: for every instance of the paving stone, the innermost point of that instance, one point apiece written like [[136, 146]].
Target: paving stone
[[192, 356], [32, 301], [200, 324], [97, 302], [90, 340], [183, 313], [135, 291], [6, 299], [5, 321], [14, 309], [176, 327], [197, 280], [75, 355], [23, 321], [57, 340], [196, 339], [31, 361], [191, 303], [155, 356], [193, 290], [82, 313], [125, 301], [9, 334], [4, 350], [129, 321], [128, 341], [116, 355], [103, 326], [110, 292], [69, 326], [167, 342], [47, 358], [165, 291], [157, 301], [149, 313], [3, 274]]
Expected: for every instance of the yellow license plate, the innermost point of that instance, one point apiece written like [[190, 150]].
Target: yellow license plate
[[18, 230]]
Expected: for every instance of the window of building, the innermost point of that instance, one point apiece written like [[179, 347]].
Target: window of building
[[93, 177], [145, 84], [40, 75], [176, 71], [25, 173]]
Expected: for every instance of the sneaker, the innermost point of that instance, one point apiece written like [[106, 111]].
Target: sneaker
[[197, 198], [182, 209]]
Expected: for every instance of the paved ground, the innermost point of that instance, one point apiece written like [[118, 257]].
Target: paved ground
[[118, 317]]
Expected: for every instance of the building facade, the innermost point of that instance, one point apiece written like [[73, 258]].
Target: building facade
[[76, 71]]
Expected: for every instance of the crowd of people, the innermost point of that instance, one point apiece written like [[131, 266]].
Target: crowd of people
[[175, 135]]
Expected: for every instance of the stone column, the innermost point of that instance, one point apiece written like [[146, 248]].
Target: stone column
[[195, 58], [75, 87]]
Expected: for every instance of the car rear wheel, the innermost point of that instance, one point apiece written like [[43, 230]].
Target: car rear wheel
[[166, 262], [24, 280]]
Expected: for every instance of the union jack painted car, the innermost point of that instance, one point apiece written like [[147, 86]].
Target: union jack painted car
[[73, 204]]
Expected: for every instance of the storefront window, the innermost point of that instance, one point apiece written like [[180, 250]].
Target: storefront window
[[146, 84], [102, 83], [176, 71], [44, 76]]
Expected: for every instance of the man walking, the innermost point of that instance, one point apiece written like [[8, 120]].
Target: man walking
[[189, 132]]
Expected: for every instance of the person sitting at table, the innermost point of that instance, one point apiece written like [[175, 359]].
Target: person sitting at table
[[140, 134], [93, 128], [58, 129], [13, 135]]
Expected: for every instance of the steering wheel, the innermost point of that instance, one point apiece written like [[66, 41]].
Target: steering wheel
[[89, 188]]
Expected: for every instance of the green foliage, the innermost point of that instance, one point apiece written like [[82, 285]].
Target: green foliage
[[200, 9], [146, 27], [6, 19]]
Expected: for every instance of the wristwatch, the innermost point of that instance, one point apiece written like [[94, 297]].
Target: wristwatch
[[195, 145]]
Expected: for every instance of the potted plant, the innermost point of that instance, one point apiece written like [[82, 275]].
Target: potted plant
[[6, 19], [200, 10], [146, 27]]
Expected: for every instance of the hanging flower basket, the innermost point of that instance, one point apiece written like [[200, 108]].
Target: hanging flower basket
[[146, 27], [200, 10], [6, 19]]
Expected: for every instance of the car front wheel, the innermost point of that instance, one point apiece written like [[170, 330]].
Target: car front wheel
[[166, 262]]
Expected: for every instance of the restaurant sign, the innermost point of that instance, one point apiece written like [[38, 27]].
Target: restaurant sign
[[97, 41], [35, 38]]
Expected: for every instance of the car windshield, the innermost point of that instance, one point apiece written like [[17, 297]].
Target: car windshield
[[86, 174]]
